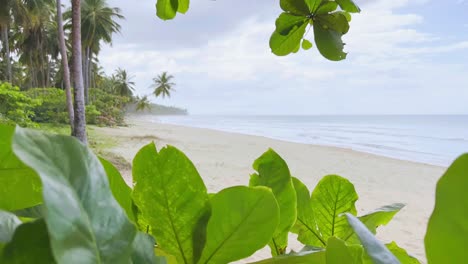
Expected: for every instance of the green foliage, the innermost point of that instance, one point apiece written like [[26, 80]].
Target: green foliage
[[447, 231], [88, 214], [15, 107], [329, 24], [92, 115], [111, 107], [52, 107]]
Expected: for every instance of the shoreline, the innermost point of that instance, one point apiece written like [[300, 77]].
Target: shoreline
[[225, 159]]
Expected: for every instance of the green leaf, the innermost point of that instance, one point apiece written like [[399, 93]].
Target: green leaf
[[282, 45], [30, 244], [286, 22], [121, 191], [338, 252], [172, 197], [401, 254], [306, 225], [306, 44], [8, 223], [183, 6], [85, 223], [297, 7], [243, 221], [143, 250], [321, 217], [309, 256], [273, 172], [167, 9], [374, 248], [20, 187], [349, 6], [313, 5], [447, 231], [34, 212], [379, 217], [328, 30], [326, 7]]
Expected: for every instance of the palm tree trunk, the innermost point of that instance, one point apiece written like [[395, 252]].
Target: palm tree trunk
[[6, 43], [80, 117], [66, 69]]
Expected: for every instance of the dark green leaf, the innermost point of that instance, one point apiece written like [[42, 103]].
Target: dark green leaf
[[20, 187], [338, 252], [143, 250], [326, 7], [297, 7], [313, 5], [121, 191], [312, 256], [321, 218], [167, 9], [30, 244], [282, 45], [243, 221], [8, 223], [183, 6], [328, 31], [85, 222], [273, 172], [286, 22], [348, 6], [172, 197], [447, 232], [374, 248], [306, 44]]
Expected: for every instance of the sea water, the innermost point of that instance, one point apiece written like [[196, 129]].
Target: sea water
[[435, 139]]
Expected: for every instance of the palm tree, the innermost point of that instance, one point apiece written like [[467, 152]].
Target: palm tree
[[123, 84], [65, 68], [5, 18], [80, 118], [98, 24], [163, 86], [143, 104]]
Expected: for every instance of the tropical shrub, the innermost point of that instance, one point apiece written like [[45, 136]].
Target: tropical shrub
[[111, 107], [15, 107], [61, 204], [52, 106]]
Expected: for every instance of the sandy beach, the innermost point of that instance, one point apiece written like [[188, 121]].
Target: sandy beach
[[225, 159]]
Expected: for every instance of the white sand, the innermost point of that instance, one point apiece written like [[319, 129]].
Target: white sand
[[225, 159]]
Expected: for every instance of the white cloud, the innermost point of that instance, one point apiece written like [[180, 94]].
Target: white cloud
[[386, 66]]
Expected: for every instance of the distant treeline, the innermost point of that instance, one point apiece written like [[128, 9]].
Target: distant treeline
[[156, 109]]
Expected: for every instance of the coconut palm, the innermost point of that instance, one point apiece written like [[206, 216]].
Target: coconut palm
[[143, 103], [123, 84], [163, 86]]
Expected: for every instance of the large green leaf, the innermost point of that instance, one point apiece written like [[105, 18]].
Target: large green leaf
[[19, 185], [447, 232], [273, 172], [121, 191], [374, 248], [328, 30], [326, 7], [306, 225], [242, 221], [379, 217], [338, 252], [30, 244], [8, 223], [286, 22], [313, 5], [401, 254], [167, 9], [309, 256], [321, 217], [298, 7], [85, 223], [348, 6], [283, 45], [143, 250], [173, 199]]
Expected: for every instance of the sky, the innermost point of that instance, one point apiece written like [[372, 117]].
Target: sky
[[404, 57]]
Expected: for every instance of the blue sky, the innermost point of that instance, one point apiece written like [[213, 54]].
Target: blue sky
[[405, 57]]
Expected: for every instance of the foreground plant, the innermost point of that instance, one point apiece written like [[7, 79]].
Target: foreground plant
[[68, 206]]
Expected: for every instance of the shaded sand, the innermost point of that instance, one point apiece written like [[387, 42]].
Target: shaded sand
[[225, 159]]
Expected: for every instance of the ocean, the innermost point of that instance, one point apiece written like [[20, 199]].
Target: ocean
[[435, 139]]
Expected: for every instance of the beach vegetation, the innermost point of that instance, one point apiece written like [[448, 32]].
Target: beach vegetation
[[77, 207], [163, 85]]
